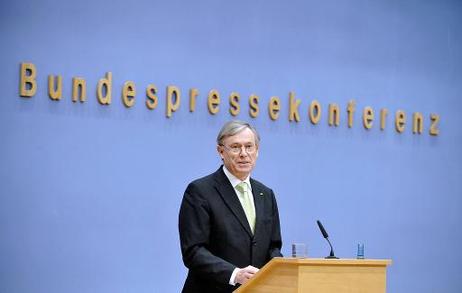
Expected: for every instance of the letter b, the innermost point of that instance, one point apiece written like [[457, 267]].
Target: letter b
[[28, 84]]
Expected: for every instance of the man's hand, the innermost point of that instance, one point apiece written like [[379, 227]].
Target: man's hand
[[245, 274]]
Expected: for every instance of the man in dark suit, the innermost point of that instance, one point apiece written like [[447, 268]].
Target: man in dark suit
[[228, 222]]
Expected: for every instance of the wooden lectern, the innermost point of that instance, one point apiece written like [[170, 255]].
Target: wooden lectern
[[297, 275]]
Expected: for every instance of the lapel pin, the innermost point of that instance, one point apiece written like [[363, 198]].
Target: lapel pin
[[261, 193]]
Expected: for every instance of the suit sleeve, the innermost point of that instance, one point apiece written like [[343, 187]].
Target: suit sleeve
[[194, 229], [276, 241]]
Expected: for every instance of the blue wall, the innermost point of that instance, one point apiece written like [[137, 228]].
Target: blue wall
[[89, 195]]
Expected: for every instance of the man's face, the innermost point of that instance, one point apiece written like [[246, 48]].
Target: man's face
[[239, 163]]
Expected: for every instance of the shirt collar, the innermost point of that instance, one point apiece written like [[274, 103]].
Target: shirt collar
[[234, 180]]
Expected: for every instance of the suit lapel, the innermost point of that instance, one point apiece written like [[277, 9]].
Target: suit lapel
[[258, 198], [226, 191]]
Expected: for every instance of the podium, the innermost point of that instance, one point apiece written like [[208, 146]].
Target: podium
[[297, 275]]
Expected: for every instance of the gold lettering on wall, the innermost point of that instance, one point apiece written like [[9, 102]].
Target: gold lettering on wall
[[293, 107], [128, 94], [351, 111], [253, 103], [273, 108], [193, 93], [368, 117], [434, 118], [105, 84], [213, 102], [28, 88], [151, 97], [234, 107], [400, 121], [55, 92], [315, 112], [334, 115], [417, 123], [79, 89], [383, 118], [27, 83], [173, 99]]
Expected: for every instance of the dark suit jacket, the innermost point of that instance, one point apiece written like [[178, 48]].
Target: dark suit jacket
[[215, 234]]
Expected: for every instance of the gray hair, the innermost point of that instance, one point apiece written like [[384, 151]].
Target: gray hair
[[233, 127]]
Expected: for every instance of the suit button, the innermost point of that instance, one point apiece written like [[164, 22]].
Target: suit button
[[254, 243]]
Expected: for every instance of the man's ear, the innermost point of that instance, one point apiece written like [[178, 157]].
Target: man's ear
[[220, 151]]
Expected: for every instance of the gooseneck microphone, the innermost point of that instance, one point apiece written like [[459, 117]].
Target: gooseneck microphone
[[326, 236]]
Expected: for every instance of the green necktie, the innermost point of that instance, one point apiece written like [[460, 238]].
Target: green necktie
[[246, 202]]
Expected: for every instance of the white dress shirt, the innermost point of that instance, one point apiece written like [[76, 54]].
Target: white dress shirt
[[234, 182]]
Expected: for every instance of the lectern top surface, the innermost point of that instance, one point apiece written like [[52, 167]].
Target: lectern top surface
[[341, 261]]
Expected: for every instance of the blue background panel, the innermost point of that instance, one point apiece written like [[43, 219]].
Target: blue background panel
[[89, 194]]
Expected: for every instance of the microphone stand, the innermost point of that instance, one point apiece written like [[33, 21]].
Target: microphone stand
[[331, 255]]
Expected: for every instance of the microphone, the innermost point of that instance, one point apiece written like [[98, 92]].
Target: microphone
[[326, 236]]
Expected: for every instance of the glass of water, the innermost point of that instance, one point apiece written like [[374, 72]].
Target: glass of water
[[360, 254], [299, 250]]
